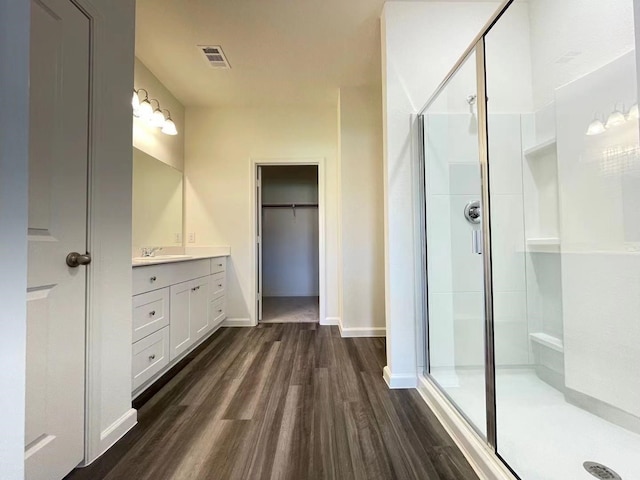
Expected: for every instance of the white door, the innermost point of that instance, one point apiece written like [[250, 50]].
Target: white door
[[259, 241], [59, 91]]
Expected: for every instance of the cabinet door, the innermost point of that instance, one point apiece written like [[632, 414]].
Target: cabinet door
[[181, 336], [199, 307]]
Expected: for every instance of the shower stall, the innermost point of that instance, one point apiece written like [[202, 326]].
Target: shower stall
[[531, 163]]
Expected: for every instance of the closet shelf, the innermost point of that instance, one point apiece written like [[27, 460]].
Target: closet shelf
[[289, 205], [540, 148]]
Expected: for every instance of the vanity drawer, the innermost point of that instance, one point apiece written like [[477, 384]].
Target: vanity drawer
[[217, 311], [150, 356], [218, 264], [218, 285], [153, 277], [150, 312]]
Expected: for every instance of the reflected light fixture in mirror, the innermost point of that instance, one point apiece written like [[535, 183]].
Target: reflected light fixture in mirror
[[595, 128], [634, 113], [615, 119]]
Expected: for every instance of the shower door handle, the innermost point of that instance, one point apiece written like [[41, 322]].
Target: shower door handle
[[476, 241]]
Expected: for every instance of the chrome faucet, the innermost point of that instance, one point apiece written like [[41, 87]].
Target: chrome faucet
[[150, 251]]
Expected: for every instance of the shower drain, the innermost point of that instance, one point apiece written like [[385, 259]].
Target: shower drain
[[600, 471]]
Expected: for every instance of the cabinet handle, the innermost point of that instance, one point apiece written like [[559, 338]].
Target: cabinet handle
[[195, 288], [220, 285], [219, 264], [153, 279], [152, 313], [219, 311], [152, 357]]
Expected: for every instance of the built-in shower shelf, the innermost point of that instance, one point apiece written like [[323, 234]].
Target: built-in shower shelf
[[547, 340], [543, 241], [543, 244], [541, 148]]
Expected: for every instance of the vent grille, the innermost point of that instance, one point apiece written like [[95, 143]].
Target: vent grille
[[214, 56]]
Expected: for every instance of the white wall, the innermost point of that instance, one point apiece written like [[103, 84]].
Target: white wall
[[166, 148], [362, 207], [290, 236], [14, 162], [220, 144], [415, 61]]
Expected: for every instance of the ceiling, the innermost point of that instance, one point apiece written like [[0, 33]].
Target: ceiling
[[281, 51]]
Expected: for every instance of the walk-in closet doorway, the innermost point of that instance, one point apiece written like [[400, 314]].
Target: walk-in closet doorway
[[288, 246]]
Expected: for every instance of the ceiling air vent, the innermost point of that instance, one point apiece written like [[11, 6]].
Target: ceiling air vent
[[214, 56]]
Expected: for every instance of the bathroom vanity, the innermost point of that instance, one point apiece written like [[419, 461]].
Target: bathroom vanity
[[178, 302]]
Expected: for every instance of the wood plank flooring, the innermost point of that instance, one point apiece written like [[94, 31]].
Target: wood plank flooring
[[283, 401]]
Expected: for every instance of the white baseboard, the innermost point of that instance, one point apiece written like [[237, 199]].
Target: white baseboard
[[399, 381], [330, 321], [477, 452], [353, 332], [117, 430], [238, 322]]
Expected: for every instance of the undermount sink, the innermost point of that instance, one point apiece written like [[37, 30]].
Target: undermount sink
[[161, 258]]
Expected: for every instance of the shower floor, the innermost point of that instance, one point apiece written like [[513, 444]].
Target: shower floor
[[540, 435]]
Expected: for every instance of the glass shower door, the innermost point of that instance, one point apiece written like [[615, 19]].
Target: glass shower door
[[454, 245]]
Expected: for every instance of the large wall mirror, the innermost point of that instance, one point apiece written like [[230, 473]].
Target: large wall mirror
[[157, 202]]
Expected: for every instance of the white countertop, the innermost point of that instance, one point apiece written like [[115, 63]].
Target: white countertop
[[191, 253]]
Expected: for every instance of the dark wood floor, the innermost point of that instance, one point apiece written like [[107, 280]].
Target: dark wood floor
[[283, 401]]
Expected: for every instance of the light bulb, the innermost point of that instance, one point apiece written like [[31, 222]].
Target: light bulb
[[595, 128], [157, 119], [135, 101], [615, 119], [169, 127], [634, 113], [146, 110]]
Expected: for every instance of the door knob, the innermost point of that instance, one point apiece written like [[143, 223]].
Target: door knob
[[75, 259]]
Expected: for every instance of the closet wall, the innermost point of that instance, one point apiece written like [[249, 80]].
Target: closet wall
[[290, 234]]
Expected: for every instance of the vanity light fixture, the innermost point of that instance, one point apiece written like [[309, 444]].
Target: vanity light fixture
[[169, 128], [144, 110], [615, 119], [633, 113], [157, 118], [135, 102]]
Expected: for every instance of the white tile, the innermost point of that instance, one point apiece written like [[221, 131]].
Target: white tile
[[505, 154], [467, 265], [464, 179], [439, 260], [441, 331], [469, 323], [507, 242]]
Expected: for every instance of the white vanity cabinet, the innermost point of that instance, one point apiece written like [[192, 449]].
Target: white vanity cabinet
[[176, 306], [189, 314]]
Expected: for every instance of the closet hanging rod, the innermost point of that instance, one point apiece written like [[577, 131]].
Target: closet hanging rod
[[289, 205]]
